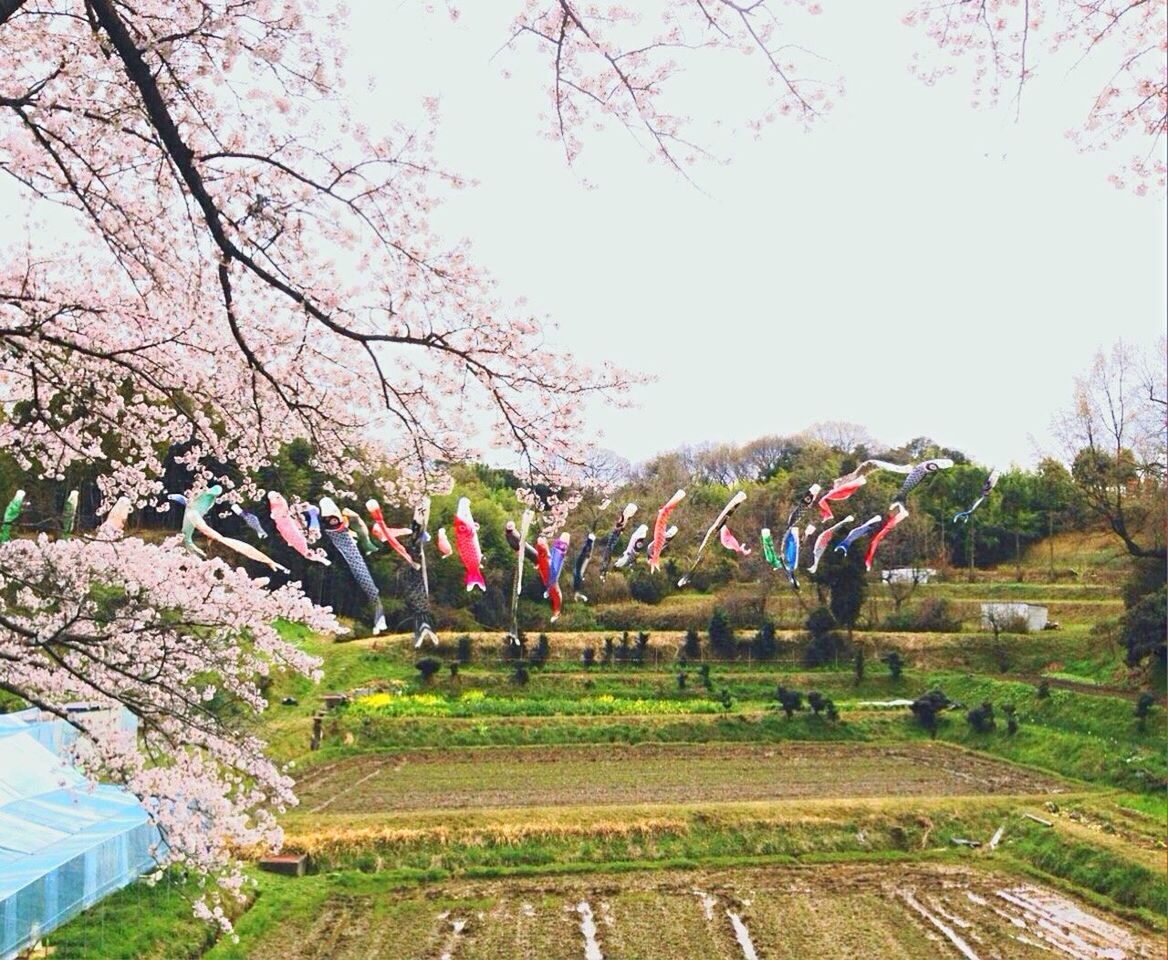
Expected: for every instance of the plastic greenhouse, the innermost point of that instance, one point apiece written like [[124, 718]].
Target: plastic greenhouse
[[65, 842]]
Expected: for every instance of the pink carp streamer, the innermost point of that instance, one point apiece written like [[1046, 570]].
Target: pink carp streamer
[[290, 531], [443, 542], [386, 534], [660, 526], [730, 542], [898, 513], [466, 535]]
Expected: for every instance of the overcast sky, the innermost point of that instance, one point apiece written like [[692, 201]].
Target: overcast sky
[[912, 265]]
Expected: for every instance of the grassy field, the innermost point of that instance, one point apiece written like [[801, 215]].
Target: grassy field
[[654, 773], [479, 817]]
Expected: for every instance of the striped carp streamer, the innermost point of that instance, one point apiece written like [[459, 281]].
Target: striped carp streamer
[[613, 538], [895, 516], [986, 488], [466, 536], [865, 528], [11, 514], [581, 567], [918, 473], [69, 515], [290, 530], [719, 522], [337, 533], [730, 542], [824, 540], [802, 504], [660, 525]]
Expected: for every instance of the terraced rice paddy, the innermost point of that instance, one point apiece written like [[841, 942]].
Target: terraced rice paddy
[[888, 911], [655, 773]]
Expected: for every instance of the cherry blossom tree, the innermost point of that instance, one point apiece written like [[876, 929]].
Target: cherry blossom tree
[[180, 642], [1005, 40], [621, 63], [243, 263]]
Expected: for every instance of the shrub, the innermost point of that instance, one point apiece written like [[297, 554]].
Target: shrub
[[789, 700], [1143, 708], [647, 588], [641, 647], [1011, 720], [725, 699], [427, 667], [453, 667], [895, 664], [982, 718], [830, 711], [680, 679], [936, 615], [704, 673], [820, 622], [1145, 626], [543, 649], [520, 676], [464, 649], [927, 706], [764, 646], [692, 647], [1042, 691], [623, 652], [816, 701], [609, 651], [588, 657], [721, 634]]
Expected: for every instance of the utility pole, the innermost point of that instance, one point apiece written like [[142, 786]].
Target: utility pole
[[969, 548]]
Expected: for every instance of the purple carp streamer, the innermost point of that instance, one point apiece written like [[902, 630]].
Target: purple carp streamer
[[865, 528]]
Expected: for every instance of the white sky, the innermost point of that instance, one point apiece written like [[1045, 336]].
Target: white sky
[[912, 265]]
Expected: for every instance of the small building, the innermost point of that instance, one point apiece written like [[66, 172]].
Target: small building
[[908, 575], [1009, 615]]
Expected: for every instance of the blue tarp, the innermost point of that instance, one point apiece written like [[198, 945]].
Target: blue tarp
[[65, 842]]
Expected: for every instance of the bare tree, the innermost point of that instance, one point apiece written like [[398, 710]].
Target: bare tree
[[1114, 436]]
